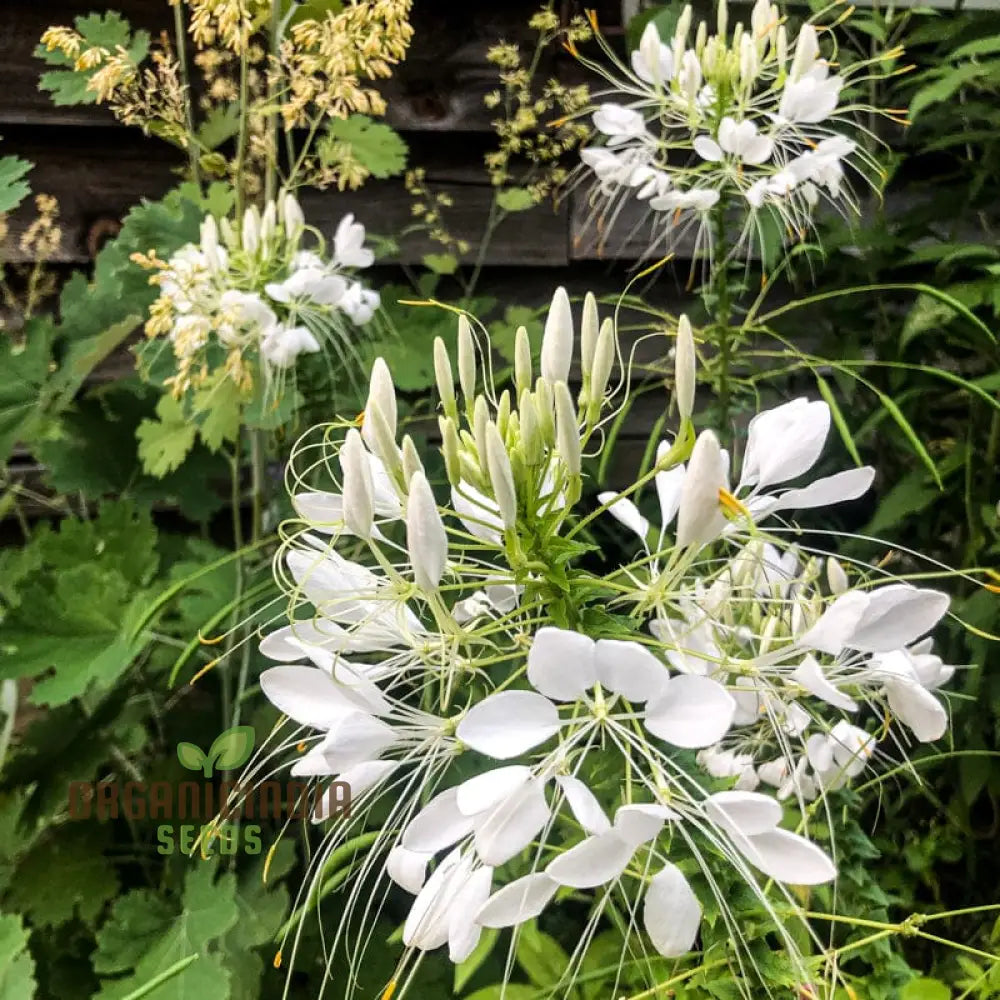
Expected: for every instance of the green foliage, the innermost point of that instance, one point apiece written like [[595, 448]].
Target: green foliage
[[13, 187], [68, 85], [17, 968], [376, 146]]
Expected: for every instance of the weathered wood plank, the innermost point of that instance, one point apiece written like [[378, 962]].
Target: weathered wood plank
[[98, 181]]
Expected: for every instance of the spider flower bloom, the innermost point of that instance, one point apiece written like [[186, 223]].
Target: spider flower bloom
[[255, 295], [522, 724], [749, 123]]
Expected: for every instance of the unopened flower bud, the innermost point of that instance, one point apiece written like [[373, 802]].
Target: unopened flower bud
[[684, 367], [836, 577], [604, 362], [251, 229], [411, 460], [557, 340], [444, 377], [466, 360], [768, 633], [450, 449], [522, 359], [690, 75], [358, 491], [531, 438], [567, 429], [480, 420], [382, 443], [590, 327], [227, 233], [426, 539], [292, 215], [722, 19], [545, 410], [268, 222], [503, 412], [683, 23], [700, 38], [748, 62], [501, 477], [210, 241], [381, 397], [781, 48], [806, 52]]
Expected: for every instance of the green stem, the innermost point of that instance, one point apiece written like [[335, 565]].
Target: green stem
[[241, 145], [720, 305], [181, 42], [271, 170]]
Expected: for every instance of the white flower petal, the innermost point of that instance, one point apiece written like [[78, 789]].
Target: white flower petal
[[407, 868], [641, 822], [746, 813], [426, 540], [324, 511], [629, 669], [918, 709], [512, 824], [509, 723], [708, 149], [694, 712], [896, 615], [485, 790], [668, 490], [809, 674], [583, 804], [427, 924], [307, 695], [837, 624], [626, 513], [478, 513], [592, 862], [785, 441], [671, 913], [699, 516], [787, 857], [561, 663], [463, 931], [438, 825], [521, 900], [847, 485], [353, 739]]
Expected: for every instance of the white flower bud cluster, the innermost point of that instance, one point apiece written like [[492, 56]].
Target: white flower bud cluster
[[262, 289], [723, 117], [527, 722]]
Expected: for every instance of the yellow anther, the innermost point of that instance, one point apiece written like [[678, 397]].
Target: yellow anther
[[277, 960], [390, 989], [732, 505], [301, 747], [592, 18]]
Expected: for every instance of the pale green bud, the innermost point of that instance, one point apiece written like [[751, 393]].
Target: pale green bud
[[480, 421], [518, 465], [503, 412], [383, 444], [531, 436], [292, 216], [450, 449], [684, 23], [251, 229], [227, 232], [836, 577], [604, 361], [684, 368], [567, 429], [722, 19], [522, 359], [426, 539], [411, 460], [781, 47], [268, 222], [590, 326], [748, 63], [701, 36], [806, 52], [557, 340], [445, 377], [544, 407], [357, 488], [466, 360], [501, 477], [470, 471]]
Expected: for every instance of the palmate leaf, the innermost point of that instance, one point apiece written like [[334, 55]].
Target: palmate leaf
[[375, 145], [137, 920], [67, 85], [209, 911], [164, 443], [17, 968], [13, 187], [25, 372]]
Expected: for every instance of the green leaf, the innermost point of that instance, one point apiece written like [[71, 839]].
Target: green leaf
[[217, 410], [165, 443], [192, 757], [838, 417], [13, 188], [516, 199], [66, 875], [541, 957], [209, 911], [440, 263], [134, 924], [69, 86], [17, 967], [512, 991], [924, 988], [377, 147], [25, 371], [219, 126], [232, 748]]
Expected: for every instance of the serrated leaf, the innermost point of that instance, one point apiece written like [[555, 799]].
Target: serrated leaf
[[25, 371], [164, 443], [217, 410], [515, 199], [375, 145], [17, 967], [440, 263], [219, 125], [232, 748], [134, 924], [13, 188], [66, 875], [69, 86]]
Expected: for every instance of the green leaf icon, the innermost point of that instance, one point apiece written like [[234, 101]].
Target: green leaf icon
[[232, 748], [190, 756]]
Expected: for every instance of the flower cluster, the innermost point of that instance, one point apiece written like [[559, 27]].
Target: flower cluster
[[252, 298], [751, 119], [529, 729]]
